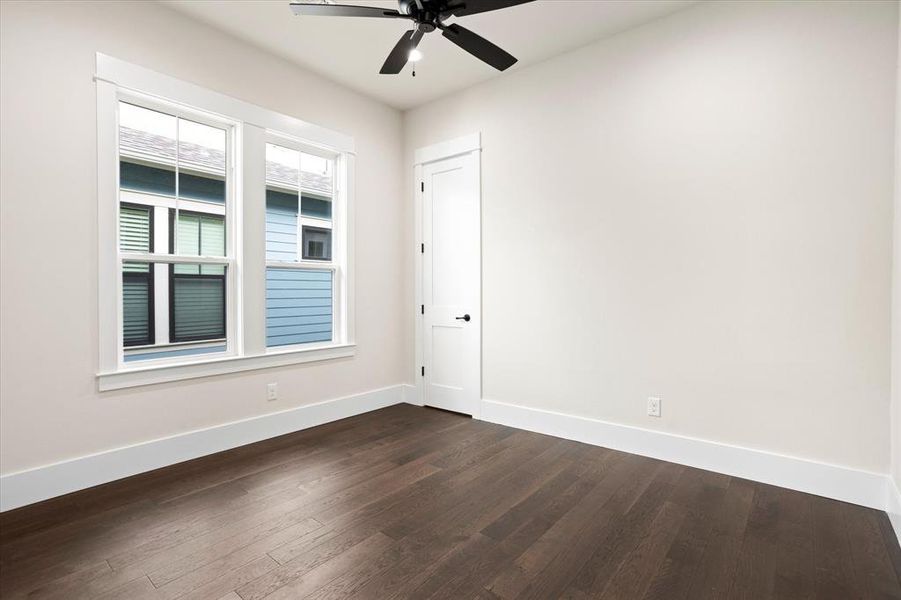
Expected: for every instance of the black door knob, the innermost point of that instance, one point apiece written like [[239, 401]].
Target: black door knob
[[464, 318]]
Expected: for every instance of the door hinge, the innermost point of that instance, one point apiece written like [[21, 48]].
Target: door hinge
[[422, 186], [422, 309], [423, 371]]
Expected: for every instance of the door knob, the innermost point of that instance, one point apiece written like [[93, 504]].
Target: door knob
[[464, 318]]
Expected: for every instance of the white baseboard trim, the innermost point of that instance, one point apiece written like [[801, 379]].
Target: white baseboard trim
[[893, 506], [41, 483], [831, 481], [411, 395]]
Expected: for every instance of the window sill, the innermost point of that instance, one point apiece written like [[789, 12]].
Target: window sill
[[150, 375]]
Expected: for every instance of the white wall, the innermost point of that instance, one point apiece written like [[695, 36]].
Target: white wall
[[700, 209], [50, 409]]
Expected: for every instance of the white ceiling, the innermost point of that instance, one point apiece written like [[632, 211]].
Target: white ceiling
[[351, 50]]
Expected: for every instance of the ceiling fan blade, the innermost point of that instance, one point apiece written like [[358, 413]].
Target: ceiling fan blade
[[479, 47], [461, 8], [400, 54], [343, 10]]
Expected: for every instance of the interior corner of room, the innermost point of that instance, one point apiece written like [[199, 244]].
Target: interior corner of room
[[632, 273]]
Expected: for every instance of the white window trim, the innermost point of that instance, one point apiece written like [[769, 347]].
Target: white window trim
[[115, 80]]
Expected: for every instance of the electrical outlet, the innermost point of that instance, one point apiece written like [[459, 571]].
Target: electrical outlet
[[272, 391], [653, 407]]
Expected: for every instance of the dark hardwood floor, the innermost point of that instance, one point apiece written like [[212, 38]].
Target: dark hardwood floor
[[410, 502]]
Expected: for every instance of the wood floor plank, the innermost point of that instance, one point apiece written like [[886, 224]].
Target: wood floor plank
[[872, 563], [636, 570], [627, 478], [248, 543], [673, 578], [833, 563], [408, 502], [137, 589], [720, 558], [71, 508], [68, 585], [368, 550], [224, 579], [755, 575], [628, 531]]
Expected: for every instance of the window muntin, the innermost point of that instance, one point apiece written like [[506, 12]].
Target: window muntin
[[173, 203]]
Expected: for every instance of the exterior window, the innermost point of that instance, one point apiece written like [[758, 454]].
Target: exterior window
[[172, 181], [136, 235], [301, 273], [317, 243], [137, 304], [197, 307]]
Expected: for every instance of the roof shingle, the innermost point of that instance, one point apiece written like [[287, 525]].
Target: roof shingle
[[158, 148]]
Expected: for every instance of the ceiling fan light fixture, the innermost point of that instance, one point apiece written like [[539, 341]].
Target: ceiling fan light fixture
[[428, 16]]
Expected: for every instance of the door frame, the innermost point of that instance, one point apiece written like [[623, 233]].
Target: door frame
[[467, 144]]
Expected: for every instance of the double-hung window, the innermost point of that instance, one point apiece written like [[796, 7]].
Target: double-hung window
[[175, 183], [301, 269], [225, 233]]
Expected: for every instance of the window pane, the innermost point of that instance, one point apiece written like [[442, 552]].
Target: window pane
[[198, 306], [135, 228], [200, 235], [137, 304], [316, 174], [298, 306], [282, 202], [212, 236], [203, 188], [146, 134], [194, 306], [149, 180], [282, 167], [317, 243], [201, 147], [188, 232], [281, 226], [319, 208]]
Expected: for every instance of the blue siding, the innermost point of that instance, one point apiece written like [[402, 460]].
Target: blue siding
[[143, 178], [206, 189], [281, 226], [161, 180], [298, 306], [310, 206]]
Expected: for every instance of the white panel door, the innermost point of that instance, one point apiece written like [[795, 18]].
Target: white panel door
[[451, 283]]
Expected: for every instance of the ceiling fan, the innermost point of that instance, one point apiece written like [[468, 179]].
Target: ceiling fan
[[428, 15]]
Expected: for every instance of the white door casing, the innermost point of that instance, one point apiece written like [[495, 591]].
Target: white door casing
[[449, 276]]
